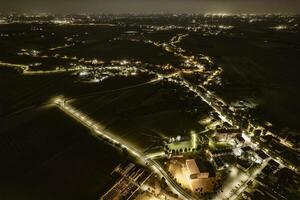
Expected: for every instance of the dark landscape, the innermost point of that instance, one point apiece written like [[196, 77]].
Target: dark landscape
[[125, 106]]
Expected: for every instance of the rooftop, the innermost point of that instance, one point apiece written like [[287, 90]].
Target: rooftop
[[192, 166]]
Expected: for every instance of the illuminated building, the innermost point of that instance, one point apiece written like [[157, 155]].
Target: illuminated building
[[199, 177], [226, 134], [194, 171]]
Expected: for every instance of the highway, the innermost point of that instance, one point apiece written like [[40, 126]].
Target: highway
[[98, 130]]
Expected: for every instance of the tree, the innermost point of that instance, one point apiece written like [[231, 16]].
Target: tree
[[163, 183], [125, 153]]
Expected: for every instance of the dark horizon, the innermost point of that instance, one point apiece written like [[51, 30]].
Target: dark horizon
[[153, 6]]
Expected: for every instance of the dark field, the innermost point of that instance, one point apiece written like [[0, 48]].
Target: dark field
[[22, 92], [88, 42], [47, 155], [146, 114]]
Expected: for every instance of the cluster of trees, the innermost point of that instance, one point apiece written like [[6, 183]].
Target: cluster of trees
[[179, 151]]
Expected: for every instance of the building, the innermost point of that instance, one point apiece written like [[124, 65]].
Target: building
[[274, 164], [223, 135], [261, 156], [219, 164], [200, 176], [194, 171], [243, 164], [239, 140], [221, 152]]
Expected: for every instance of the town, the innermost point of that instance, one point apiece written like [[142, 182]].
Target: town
[[221, 149]]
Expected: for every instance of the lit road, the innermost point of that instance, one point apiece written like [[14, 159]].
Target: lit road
[[26, 70], [97, 130], [207, 98], [156, 155], [22, 67], [173, 184]]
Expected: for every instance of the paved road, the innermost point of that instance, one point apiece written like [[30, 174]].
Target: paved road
[[173, 184], [26, 70]]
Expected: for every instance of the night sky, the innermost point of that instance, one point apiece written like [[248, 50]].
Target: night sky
[[153, 6]]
